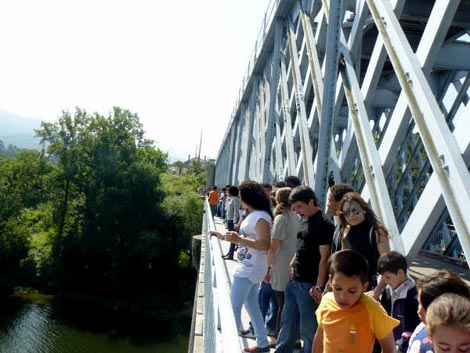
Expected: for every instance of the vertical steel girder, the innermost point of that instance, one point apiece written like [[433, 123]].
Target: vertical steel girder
[[335, 15], [391, 120], [271, 116]]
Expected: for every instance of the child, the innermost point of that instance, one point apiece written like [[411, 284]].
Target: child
[[448, 323], [400, 298], [429, 288], [349, 321]]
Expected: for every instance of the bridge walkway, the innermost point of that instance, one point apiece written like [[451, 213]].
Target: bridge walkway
[[422, 266]]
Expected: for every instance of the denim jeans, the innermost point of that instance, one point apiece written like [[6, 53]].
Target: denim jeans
[[213, 210], [299, 307], [268, 305], [245, 292], [233, 246]]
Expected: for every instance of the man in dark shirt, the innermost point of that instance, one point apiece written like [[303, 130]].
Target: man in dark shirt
[[308, 273]]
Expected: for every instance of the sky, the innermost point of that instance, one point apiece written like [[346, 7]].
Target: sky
[[178, 64]]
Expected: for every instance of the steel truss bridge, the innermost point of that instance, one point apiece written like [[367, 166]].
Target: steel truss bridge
[[372, 92]]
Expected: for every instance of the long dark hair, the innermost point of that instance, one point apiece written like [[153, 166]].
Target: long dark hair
[[370, 216], [252, 193]]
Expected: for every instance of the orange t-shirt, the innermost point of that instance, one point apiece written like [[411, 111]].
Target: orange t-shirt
[[213, 198], [353, 330]]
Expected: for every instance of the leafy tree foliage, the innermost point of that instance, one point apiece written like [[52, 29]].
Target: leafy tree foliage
[[114, 241], [22, 184]]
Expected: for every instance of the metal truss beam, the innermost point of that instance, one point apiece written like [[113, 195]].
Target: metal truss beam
[[393, 120]]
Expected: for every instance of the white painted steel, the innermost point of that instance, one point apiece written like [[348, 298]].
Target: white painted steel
[[442, 150], [406, 72]]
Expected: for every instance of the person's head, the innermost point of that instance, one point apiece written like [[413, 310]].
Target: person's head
[[438, 283], [304, 201], [393, 267], [233, 191], [355, 210], [448, 323], [252, 195], [292, 181], [282, 201], [267, 189], [214, 188], [278, 184], [335, 194], [348, 277]]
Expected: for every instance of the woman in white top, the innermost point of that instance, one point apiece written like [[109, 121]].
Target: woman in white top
[[253, 242]]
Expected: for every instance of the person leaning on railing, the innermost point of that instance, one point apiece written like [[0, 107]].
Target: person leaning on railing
[[253, 239]]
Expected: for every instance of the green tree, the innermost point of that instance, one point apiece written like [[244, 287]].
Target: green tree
[[115, 244], [67, 141], [23, 183]]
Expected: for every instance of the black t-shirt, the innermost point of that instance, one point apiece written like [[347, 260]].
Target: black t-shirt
[[314, 232], [363, 239]]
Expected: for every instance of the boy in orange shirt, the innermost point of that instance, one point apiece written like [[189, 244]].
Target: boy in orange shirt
[[349, 321]]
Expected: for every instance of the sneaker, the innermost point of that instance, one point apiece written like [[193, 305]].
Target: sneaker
[[298, 344], [247, 333], [257, 349]]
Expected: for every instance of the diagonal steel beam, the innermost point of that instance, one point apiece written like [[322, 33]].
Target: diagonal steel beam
[[440, 145]]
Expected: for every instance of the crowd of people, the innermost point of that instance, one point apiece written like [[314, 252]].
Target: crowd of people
[[321, 283]]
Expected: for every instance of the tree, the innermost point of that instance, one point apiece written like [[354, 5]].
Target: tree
[[22, 185], [113, 235]]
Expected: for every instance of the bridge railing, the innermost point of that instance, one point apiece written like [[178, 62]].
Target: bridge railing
[[220, 332]]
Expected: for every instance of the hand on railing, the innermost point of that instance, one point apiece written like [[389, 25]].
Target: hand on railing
[[230, 236], [219, 235]]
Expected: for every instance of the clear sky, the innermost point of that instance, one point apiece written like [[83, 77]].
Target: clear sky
[[178, 64]]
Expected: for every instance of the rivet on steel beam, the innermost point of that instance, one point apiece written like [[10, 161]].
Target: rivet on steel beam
[[408, 79], [383, 21], [372, 173], [444, 164]]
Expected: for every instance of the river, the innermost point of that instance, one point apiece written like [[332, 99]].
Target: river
[[30, 324]]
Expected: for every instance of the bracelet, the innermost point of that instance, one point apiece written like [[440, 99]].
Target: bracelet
[[223, 237]]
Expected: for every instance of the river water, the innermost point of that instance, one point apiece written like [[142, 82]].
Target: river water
[[30, 325]]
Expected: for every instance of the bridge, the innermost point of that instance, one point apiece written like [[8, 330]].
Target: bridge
[[370, 92]]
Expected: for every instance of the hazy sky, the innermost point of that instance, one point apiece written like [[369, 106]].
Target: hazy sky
[[178, 64]]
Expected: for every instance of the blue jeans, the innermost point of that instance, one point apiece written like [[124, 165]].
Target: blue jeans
[[268, 305], [246, 292], [299, 307], [213, 210], [233, 246]]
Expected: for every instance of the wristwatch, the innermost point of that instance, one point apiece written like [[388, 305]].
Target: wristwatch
[[319, 288]]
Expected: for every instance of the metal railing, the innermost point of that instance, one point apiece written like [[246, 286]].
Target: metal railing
[[220, 332]]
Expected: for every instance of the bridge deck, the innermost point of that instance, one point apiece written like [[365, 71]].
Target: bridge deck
[[421, 266]]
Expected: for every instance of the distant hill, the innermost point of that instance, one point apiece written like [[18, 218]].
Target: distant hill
[[18, 130]]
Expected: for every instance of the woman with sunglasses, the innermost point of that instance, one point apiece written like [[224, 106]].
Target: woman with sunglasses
[[362, 231]]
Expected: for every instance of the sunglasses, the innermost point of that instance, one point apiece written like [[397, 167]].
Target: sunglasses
[[355, 210]]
